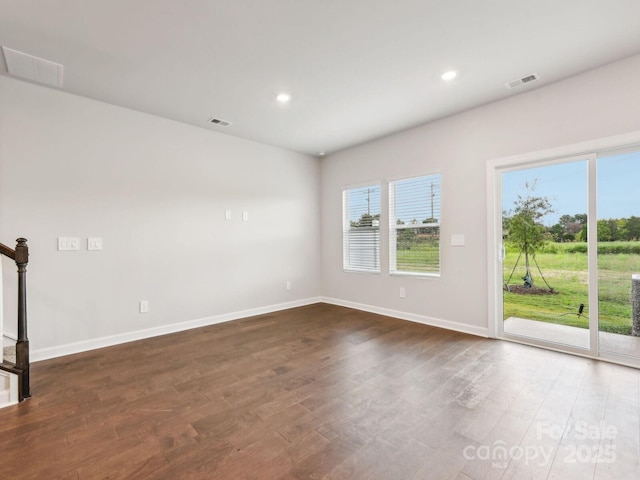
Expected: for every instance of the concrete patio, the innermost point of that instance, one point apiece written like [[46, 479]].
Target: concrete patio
[[573, 336]]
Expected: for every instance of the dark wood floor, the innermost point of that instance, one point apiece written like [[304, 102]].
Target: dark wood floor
[[324, 392]]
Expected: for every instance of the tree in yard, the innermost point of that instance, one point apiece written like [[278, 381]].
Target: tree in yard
[[526, 232], [604, 231], [571, 225], [581, 218], [583, 234], [557, 232], [632, 228], [367, 220]]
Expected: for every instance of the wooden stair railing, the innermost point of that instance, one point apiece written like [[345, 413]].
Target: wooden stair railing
[[21, 368]]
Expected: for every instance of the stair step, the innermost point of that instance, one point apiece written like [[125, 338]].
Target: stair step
[[9, 354], [8, 389]]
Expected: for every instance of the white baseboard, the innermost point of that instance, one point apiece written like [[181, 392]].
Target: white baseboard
[[84, 346], [78, 347], [412, 317]]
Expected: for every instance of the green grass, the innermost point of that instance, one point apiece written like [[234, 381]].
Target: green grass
[[604, 248], [564, 266], [419, 257]]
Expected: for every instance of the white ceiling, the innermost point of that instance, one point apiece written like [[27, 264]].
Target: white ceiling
[[356, 69]]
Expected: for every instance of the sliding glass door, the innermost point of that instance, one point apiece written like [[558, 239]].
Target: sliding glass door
[[618, 227], [566, 254], [545, 270]]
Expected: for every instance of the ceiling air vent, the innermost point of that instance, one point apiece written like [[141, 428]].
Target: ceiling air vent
[[219, 121], [522, 81]]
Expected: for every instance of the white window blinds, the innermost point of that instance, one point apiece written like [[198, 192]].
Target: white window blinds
[[361, 229], [414, 225]]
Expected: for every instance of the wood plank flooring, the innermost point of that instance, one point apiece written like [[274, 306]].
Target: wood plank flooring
[[324, 392]]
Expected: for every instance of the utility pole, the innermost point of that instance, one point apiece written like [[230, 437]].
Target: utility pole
[[432, 195]]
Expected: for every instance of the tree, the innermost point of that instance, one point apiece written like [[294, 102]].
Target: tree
[[557, 232], [604, 231], [633, 228], [582, 234], [432, 229], [406, 238], [526, 232], [581, 218], [572, 224], [565, 221], [613, 223], [367, 220]]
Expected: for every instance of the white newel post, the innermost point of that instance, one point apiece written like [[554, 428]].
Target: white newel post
[[635, 303]]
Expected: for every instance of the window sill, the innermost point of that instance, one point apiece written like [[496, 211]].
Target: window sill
[[416, 275], [350, 270]]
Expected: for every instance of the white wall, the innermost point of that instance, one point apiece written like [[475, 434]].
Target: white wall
[[596, 104], [156, 191]]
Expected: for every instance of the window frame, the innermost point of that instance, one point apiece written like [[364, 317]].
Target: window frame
[[347, 263], [393, 227]]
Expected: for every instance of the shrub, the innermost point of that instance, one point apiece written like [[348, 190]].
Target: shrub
[[604, 248]]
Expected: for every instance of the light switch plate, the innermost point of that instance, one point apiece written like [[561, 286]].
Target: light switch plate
[[144, 306], [94, 243], [457, 240], [68, 243], [245, 216]]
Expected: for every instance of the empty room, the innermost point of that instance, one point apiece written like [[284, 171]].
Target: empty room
[[320, 240]]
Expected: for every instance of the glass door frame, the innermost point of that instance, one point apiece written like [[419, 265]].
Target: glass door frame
[[589, 151]]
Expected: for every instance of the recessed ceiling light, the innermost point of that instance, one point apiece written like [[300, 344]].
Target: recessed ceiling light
[[450, 75], [283, 97]]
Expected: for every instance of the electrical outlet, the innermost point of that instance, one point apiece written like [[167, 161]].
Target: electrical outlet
[[402, 292], [227, 214], [288, 285], [144, 306], [245, 216]]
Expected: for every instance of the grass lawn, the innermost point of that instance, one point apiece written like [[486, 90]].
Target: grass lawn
[[421, 257], [566, 272], [564, 266]]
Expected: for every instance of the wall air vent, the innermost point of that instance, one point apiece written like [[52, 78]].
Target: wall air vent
[[219, 121], [522, 81], [32, 68]]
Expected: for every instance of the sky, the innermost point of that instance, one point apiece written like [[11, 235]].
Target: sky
[[417, 199], [565, 185]]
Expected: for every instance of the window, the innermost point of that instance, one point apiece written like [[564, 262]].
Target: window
[[361, 229], [414, 226]]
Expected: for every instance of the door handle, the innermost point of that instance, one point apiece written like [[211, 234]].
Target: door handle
[[502, 252]]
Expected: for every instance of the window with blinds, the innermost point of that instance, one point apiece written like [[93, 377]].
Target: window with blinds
[[414, 226], [361, 229]]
